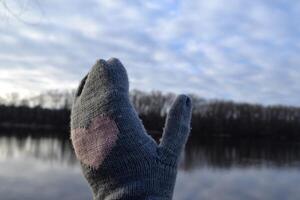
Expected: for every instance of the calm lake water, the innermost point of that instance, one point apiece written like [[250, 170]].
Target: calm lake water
[[45, 168]]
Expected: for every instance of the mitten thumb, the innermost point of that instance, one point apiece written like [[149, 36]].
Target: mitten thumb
[[177, 128]]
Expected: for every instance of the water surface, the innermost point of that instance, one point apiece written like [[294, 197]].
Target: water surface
[[45, 168]]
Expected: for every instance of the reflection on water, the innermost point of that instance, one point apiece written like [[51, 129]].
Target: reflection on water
[[226, 153], [46, 149], [39, 168], [46, 168]]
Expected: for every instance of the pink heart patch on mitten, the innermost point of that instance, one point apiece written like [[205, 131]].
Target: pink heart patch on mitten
[[94, 143]]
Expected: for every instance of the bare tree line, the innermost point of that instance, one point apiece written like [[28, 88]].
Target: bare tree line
[[211, 118]]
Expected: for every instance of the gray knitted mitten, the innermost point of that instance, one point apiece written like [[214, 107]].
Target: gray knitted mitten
[[118, 158]]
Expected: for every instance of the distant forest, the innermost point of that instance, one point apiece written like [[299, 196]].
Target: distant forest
[[49, 113]]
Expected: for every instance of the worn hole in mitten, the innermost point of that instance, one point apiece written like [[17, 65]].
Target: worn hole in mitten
[[94, 143]]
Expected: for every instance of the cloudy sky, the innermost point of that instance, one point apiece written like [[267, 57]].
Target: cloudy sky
[[226, 49]]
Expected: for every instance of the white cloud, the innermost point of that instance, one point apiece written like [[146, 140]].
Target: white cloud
[[30, 82], [240, 50]]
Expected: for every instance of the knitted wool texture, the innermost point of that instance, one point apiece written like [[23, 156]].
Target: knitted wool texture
[[118, 158]]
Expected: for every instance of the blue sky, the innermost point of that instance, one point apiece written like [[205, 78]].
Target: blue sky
[[232, 49]]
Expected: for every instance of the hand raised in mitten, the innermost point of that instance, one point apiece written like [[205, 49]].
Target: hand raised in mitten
[[118, 158]]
